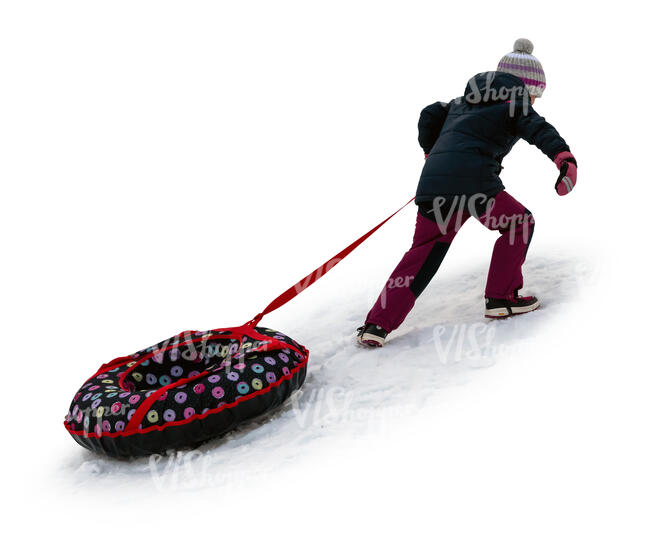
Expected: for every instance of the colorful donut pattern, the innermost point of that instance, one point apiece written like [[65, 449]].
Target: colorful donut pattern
[[230, 369]]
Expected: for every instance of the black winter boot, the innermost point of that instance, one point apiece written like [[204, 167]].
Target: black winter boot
[[504, 308], [370, 335]]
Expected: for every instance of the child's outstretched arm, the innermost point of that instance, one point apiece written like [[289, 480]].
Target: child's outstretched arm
[[431, 120], [534, 129]]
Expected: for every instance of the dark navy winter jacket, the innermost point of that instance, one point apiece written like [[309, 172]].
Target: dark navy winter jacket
[[467, 138]]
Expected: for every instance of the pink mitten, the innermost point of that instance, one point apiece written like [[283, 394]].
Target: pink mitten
[[568, 167]]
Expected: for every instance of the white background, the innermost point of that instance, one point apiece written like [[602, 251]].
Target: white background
[[175, 165]]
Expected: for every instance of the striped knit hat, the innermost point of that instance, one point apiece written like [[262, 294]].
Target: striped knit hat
[[521, 63]]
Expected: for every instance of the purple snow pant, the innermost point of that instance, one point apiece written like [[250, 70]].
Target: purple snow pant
[[434, 232]]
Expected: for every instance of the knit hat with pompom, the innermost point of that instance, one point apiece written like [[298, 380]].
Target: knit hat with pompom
[[521, 63]]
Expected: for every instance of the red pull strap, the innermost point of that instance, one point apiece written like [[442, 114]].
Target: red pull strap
[[312, 277], [248, 328], [136, 419]]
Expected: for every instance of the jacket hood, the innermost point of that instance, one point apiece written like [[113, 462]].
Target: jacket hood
[[494, 86]]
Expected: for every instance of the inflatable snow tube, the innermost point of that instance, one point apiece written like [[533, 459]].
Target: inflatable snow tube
[[186, 390]]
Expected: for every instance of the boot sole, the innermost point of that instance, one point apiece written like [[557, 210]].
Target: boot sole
[[370, 341]]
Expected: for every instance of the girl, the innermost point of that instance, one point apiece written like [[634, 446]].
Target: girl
[[464, 142]]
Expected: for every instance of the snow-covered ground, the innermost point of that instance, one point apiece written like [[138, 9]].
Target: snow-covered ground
[[542, 409], [351, 391]]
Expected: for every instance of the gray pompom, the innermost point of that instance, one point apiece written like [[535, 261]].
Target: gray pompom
[[523, 45]]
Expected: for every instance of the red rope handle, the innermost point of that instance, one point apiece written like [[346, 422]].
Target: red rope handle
[[312, 277]]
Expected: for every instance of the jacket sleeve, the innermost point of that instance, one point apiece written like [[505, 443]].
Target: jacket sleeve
[[535, 130], [431, 121]]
